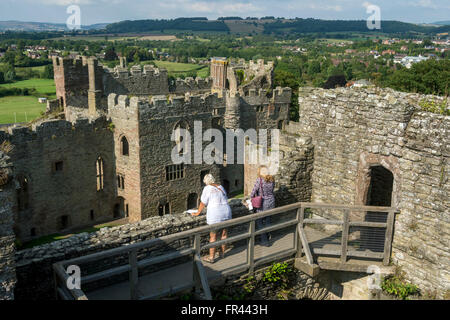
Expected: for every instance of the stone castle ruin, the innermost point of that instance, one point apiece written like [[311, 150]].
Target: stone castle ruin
[[109, 157]]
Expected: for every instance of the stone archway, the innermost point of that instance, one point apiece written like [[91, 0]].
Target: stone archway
[[192, 201], [368, 161], [378, 184]]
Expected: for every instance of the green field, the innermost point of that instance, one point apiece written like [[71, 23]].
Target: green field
[[45, 87], [177, 69], [25, 108]]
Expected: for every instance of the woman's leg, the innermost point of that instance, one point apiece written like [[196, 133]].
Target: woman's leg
[[212, 251], [224, 236]]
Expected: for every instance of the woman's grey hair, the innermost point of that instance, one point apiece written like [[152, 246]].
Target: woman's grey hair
[[209, 179]]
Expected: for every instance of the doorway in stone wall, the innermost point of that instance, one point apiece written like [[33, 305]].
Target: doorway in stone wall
[[379, 193], [192, 201], [119, 208], [380, 187]]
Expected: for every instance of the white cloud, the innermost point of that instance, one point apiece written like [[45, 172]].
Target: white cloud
[[425, 4]]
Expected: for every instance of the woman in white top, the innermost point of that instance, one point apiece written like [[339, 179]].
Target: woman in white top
[[215, 198]]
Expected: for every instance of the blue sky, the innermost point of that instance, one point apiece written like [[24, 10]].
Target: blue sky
[[97, 11]]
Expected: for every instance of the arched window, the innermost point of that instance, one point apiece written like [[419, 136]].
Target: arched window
[[22, 193], [100, 174], [124, 147], [180, 138]]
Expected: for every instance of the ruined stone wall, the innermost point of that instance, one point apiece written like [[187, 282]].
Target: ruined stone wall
[[354, 130], [196, 86], [57, 161], [293, 172], [7, 248], [72, 81], [260, 111], [137, 81], [34, 266]]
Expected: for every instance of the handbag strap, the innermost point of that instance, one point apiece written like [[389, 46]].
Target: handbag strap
[[260, 187], [220, 190]]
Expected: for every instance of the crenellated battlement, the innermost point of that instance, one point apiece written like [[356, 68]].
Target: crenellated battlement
[[278, 95], [137, 71], [52, 129], [192, 85], [162, 105]]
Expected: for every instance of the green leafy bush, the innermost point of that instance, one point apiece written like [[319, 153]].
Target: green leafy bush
[[396, 286], [277, 274]]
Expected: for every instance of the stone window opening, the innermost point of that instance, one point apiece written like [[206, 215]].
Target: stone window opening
[[92, 215], [22, 194], [192, 201], [163, 209], [175, 172], [64, 222], [203, 173], [33, 232], [182, 145], [100, 174], [124, 146], [121, 181], [58, 166]]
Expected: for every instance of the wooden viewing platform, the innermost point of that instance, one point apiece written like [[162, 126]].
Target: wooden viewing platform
[[351, 243]]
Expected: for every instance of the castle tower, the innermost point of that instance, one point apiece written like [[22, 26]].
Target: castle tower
[[232, 110], [95, 86], [219, 68]]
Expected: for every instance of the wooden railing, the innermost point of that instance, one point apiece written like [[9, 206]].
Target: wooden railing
[[200, 281]]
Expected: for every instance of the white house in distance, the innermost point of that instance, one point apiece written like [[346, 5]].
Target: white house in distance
[[408, 61]]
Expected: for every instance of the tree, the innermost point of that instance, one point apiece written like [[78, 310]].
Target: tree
[[2, 77], [110, 54], [48, 72], [10, 76]]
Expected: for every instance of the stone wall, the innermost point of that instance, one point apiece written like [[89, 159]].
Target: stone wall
[[56, 175], [354, 130], [34, 266], [7, 248]]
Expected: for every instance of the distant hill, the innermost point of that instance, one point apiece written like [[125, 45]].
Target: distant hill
[[268, 25], [442, 23], [42, 26], [179, 24]]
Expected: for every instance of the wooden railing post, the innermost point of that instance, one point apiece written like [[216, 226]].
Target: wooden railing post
[[297, 242], [195, 274], [344, 240], [134, 276], [251, 247], [388, 237], [197, 244]]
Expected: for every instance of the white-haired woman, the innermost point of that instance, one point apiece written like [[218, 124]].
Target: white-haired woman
[[214, 197]]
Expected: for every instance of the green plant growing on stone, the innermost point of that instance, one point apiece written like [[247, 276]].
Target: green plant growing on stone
[[250, 285], [111, 127], [277, 274], [435, 107], [396, 285]]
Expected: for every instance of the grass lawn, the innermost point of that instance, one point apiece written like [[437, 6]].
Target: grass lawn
[[19, 105], [56, 237], [177, 69], [46, 87]]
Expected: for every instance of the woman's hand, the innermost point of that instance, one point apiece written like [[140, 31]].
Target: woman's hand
[[200, 209], [195, 214]]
